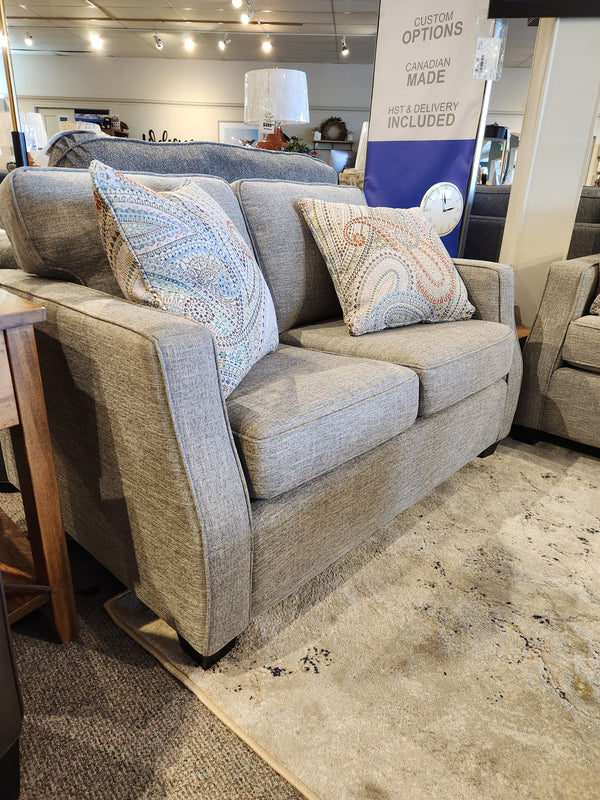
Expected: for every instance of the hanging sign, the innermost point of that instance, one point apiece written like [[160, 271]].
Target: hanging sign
[[425, 108]]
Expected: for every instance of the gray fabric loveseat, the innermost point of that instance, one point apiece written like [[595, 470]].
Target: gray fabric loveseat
[[211, 510], [77, 149]]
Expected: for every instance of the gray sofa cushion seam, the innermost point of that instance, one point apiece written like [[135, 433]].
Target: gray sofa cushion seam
[[323, 416]]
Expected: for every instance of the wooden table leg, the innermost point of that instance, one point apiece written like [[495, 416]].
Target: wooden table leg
[[37, 478]]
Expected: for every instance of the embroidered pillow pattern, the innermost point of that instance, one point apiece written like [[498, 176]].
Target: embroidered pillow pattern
[[595, 307], [179, 251], [388, 265]]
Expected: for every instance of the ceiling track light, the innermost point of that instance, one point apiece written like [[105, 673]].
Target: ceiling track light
[[189, 43], [267, 45], [158, 42], [96, 41], [224, 42], [247, 16], [28, 39], [345, 49], [236, 3]]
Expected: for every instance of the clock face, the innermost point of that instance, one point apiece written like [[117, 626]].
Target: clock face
[[442, 205]]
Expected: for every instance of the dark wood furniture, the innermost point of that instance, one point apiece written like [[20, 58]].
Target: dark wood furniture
[[35, 568]]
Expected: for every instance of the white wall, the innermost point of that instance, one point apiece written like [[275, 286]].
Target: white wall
[[185, 97], [507, 103]]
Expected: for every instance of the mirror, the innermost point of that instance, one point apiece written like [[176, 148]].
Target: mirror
[[498, 156]]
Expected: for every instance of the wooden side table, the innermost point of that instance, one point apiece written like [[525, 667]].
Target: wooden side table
[[35, 570], [523, 332]]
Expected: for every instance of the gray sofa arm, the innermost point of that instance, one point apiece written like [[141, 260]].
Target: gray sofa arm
[[571, 286], [149, 478], [491, 289]]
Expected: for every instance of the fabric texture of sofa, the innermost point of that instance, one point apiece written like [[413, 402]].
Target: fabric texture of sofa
[[561, 358], [214, 511], [488, 217]]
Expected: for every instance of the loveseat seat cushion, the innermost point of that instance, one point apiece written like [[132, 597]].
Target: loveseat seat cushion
[[286, 251], [452, 359], [582, 344], [50, 217], [299, 413]]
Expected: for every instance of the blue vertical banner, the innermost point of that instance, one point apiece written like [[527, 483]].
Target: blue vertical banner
[[425, 105]]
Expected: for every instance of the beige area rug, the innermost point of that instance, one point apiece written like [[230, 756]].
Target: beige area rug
[[455, 656]]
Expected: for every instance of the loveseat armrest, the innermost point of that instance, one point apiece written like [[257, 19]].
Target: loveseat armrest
[[491, 288], [149, 477], [570, 288]]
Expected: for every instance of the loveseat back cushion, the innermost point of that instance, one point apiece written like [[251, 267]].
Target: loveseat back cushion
[[77, 149], [287, 253], [588, 209], [453, 359], [491, 201], [582, 343], [51, 220], [298, 414], [585, 240]]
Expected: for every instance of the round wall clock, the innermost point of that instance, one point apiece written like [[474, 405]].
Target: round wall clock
[[442, 205]]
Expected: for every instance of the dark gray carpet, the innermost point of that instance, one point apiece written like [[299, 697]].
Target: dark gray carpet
[[104, 721]]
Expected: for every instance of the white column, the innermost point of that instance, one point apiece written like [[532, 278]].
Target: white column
[[560, 116]]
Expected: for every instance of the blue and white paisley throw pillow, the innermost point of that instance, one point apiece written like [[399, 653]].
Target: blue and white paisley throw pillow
[[180, 252]]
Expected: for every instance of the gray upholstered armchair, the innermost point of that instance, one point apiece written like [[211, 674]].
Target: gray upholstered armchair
[[560, 392]]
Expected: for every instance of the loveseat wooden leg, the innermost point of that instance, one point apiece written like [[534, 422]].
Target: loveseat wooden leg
[[206, 662], [10, 777], [488, 451]]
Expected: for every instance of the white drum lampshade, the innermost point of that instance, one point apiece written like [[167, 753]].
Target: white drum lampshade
[[279, 95]]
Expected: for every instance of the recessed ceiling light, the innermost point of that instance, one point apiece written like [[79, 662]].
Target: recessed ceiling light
[[96, 41], [189, 43]]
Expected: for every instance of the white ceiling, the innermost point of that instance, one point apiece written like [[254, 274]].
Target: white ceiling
[[308, 31]]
